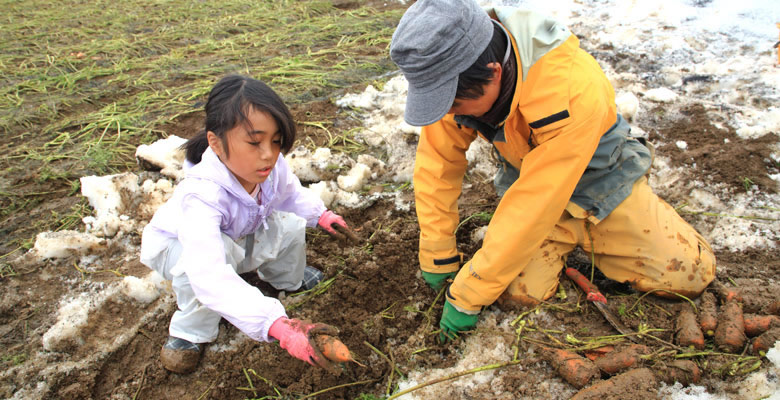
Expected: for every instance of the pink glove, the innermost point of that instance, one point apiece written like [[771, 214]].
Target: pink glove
[[297, 337], [330, 220]]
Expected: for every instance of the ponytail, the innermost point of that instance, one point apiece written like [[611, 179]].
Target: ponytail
[[195, 146]]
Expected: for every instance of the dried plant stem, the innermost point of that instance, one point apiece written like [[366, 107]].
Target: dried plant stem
[[319, 392], [453, 376], [665, 291]]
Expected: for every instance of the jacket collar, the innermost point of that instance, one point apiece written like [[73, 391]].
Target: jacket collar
[[212, 169]]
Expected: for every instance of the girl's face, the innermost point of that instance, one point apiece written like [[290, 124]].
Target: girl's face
[[253, 148]]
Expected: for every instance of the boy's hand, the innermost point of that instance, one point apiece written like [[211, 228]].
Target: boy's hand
[[331, 222], [437, 281], [297, 337], [453, 322]]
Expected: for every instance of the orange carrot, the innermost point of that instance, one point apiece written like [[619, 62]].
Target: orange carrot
[[708, 313], [683, 371], [730, 333], [593, 354], [726, 294], [688, 332], [758, 324], [766, 340], [622, 359], [615, 387], [333, 349], [576, 370]]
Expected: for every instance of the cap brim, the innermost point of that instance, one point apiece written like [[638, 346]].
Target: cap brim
[[424, 107]]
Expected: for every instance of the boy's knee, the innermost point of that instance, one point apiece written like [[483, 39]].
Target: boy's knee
[[688, 279], [527, 294]]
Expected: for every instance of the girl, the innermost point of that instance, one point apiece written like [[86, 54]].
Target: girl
[[239, 209]]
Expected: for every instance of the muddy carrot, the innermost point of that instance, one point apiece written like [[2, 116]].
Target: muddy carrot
[[766, 340], [576, 370], [758, 324], [730, 333], [615, 387], [599, 352], [683, 371], [708, 313], [333, 349], [621, 360], [688, 332], [726, 294]]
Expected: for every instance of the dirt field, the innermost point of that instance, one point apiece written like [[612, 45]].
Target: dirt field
[[386, 314]]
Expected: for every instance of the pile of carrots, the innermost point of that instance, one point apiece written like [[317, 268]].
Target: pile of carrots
[[616, 361], [728, 325], [723, 321]]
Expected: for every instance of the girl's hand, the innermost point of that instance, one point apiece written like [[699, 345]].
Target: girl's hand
[[330, 222], [297, 337]]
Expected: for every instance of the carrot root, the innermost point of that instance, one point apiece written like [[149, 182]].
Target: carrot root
[[576, 370], [333, 349], [758, 324], [725, 293], [599, 352], [730, 333], [766, 340], [621, 360], [688, 332], [708, 313]]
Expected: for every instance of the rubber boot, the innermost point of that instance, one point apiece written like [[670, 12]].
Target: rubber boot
[[180, 356]]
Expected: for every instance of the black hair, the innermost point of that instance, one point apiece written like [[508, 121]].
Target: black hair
[[227, 106], [472, 81]]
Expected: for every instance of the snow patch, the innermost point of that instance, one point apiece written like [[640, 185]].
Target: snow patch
[[355, 178], [71, 317], [661, 95], [106, 195], [165, 155], [66, 243], [143, 290], [627, 104]]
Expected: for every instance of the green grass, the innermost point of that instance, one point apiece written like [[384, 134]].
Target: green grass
[[84, 83]]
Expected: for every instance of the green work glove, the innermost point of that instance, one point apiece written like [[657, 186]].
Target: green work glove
[[453, 321], [437, 281]]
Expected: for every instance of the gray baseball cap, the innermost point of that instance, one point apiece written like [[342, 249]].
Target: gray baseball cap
[[435, 41]]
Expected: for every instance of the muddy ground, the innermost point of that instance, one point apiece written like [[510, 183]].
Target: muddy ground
[[384, 311], [386, 314]]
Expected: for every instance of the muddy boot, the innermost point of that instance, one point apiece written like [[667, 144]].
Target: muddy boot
[[311, 277], [180, 356]]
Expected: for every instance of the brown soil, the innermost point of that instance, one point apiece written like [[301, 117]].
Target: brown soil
[[378, 301]]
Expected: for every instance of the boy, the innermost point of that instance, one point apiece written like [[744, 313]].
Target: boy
[[570, 174]]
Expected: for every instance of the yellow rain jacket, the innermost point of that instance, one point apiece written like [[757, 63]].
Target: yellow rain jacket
[[562, 111]]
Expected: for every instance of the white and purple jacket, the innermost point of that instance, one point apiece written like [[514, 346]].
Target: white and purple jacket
[[210, 202]]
